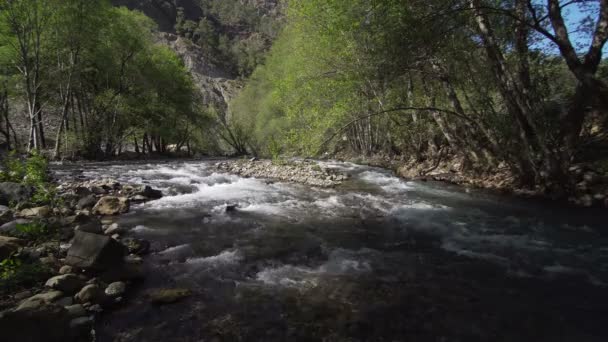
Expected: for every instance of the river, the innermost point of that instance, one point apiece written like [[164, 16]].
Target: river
[[378, 258]]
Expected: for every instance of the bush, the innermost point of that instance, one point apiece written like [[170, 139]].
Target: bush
[[13, 170], [35, 231], [16, 273]]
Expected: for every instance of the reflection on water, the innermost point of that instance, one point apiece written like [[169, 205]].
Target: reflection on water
[[379, 258]]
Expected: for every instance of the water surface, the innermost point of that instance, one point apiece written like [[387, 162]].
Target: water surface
[[376, 259]]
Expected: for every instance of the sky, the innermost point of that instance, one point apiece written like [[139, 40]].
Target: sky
[[574, 15]]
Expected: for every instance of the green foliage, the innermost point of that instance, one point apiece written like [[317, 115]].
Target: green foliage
[[36, 169], [16, 273], [13, 169], [34, 231]]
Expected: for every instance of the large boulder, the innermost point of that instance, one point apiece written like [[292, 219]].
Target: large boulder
[[9, 245], [6, 215], [88, 224], [11, 193], [111, 205], [93, 251], [35, 323]]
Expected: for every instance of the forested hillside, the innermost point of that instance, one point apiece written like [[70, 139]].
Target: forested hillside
[[85, 78], [508, 85]]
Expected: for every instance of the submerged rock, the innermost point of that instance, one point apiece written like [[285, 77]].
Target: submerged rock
[[168, 296]]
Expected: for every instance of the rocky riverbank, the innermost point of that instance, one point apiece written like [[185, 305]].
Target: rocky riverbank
[[69, 261], [296, 171]]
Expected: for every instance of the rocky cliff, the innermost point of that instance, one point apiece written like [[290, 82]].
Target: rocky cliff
[[216, 86]]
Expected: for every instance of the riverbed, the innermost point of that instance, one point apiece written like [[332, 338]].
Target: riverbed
[[377, 258]]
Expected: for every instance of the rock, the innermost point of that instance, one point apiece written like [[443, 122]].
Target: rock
[[86, 202], [586, 201], [45, 322], [9, 245], [98, 190], [76, 310], [11, 227], [65, 301], [40, 299], [231, 207], [38, 212], [97, 252], [136, 246], [150, 193], [591, 177], [91, 293], [111, 205], [80, 328], [6, 215], [15, 193], [168, 296], [90, 225], [66, 269], [68, 283], [82, 192], [116, 289], [96, 308], [114, 228]]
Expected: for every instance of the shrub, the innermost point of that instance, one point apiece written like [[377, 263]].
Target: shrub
[[13, 170], [16, 273], [34, 231]]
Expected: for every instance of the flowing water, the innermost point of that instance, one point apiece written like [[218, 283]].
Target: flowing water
[[375, 259]]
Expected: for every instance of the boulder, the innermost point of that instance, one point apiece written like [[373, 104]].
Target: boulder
[[44, 322], [86, 202], [111, 205], [167, 296], [93, 251], [38, 212], [9, 245], [67, 283], [15, 193], [116, 289], [40, 299], [89, 294]]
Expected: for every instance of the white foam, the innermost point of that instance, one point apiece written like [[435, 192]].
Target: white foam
[[387, 182], [340, 262], [225, 258]]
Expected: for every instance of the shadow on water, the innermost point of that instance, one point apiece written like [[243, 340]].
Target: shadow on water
[[377, 259]]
